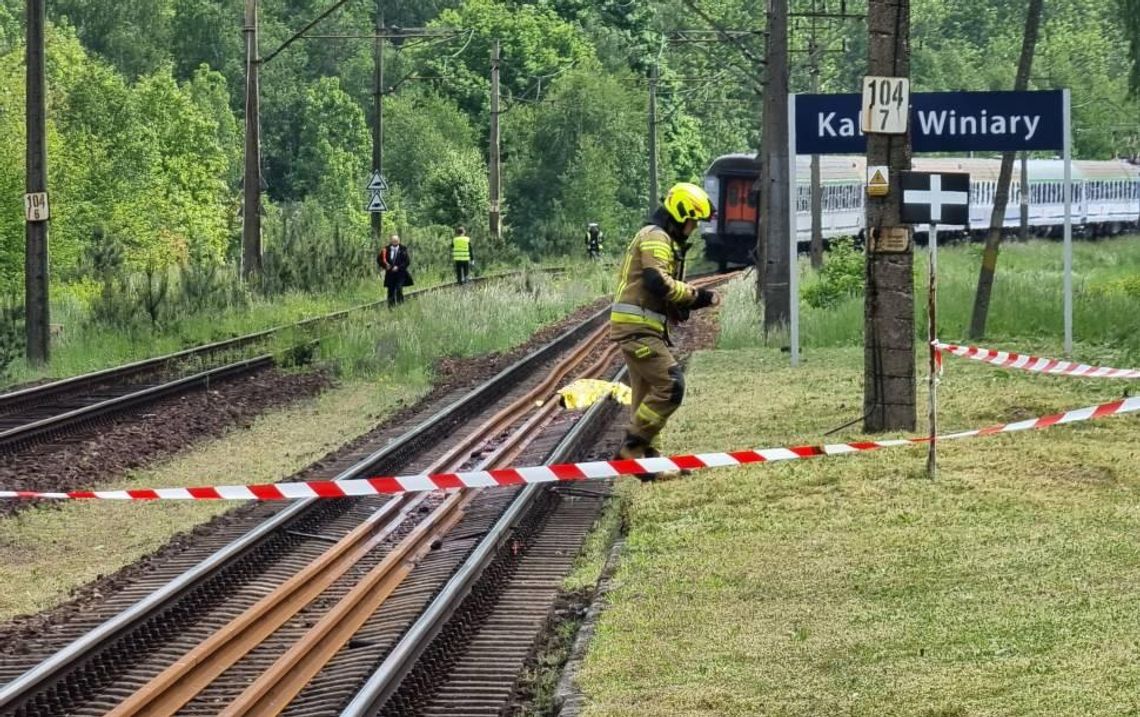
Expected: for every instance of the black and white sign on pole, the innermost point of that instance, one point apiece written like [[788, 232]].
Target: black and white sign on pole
[[935, 198], [376, 187]]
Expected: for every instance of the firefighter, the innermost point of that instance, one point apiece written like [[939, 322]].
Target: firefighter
[[461, 255], [651, 294], [594, 238]]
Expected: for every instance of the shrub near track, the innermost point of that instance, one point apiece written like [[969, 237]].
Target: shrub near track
[[854, 585]]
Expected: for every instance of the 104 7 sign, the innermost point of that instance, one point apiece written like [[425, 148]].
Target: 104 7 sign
[[886, 105]]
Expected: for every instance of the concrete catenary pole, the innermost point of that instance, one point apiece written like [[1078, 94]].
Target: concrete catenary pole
[[888, 315], [775, 194], [37, 315]]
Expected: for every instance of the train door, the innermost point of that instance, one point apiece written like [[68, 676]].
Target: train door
[[740, 211]]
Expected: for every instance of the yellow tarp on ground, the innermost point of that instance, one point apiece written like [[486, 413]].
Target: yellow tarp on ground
[[585, 392]]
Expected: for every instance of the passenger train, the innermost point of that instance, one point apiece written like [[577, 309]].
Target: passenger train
[[1105, 201]]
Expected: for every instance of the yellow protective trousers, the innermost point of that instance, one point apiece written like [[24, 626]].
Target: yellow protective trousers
[[656, 382]]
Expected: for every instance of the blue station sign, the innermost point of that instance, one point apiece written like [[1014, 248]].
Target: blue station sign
[[939, 122]]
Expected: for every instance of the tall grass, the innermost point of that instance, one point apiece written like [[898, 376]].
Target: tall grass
[[82, 344], [1025, 309], [472, 321]]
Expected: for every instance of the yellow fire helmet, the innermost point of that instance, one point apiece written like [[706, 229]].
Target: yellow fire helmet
[[688, 201]]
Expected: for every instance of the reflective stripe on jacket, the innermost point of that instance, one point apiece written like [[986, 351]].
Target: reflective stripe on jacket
[[461, 248], [652, 255]]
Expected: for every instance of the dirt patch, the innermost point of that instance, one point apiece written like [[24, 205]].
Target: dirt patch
[[166, 428]]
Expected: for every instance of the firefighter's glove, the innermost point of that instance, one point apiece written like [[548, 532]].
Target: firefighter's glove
[[705, 297]]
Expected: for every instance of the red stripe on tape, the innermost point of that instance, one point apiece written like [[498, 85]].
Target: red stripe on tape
[[626, 466], [326, 489], [1107, 409], [807, 451], [204, 493], [567, 471], [386, 484], [1046, 421], [506, 476], [748, 456], [689, 462], [265, 491], [142, 494], [446, 481]]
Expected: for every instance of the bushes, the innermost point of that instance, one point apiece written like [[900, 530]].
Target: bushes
[[842, 276]]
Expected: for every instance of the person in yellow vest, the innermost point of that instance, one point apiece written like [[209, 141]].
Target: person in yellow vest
[[651, 293], [461, 255]]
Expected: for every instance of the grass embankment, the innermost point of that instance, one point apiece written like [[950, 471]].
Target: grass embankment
[[83, 345], [386, 360], [1026, 302], [856, 586]]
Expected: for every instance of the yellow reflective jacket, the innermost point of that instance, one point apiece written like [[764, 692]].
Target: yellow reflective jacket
[[650, 285], [461, 248]]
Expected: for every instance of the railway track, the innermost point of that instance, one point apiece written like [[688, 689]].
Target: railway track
[[423, 604], [33, 414]]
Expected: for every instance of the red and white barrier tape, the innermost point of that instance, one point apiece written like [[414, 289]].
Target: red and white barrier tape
[[1025, 362], [388, 485]]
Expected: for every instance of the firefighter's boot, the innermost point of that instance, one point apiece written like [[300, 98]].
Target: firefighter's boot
[[634, 447]]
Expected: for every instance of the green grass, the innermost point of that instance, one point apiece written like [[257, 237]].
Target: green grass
[[472, 321], [82, 345], [1026, 306], [854, 585]]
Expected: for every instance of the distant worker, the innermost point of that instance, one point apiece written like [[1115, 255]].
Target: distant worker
[[395, 259], [650, 294], [594, 238], [461, 255]]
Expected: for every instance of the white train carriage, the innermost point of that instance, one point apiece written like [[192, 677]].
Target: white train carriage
[[1105, 201]]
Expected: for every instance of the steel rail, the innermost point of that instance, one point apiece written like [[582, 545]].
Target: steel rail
[[117, 404], [54, 668]]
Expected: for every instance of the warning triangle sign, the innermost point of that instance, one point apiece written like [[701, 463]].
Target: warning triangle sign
[[377, 183], [376, 204], [878, 178]]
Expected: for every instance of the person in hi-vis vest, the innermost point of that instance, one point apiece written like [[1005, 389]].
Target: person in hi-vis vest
[[461, 255]]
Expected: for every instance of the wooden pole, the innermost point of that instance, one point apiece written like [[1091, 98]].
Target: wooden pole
[[251, 229], [495, 155], [37, 309]]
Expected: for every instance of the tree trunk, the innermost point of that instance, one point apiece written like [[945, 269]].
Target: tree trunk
[[1001, 195], [888, 308]]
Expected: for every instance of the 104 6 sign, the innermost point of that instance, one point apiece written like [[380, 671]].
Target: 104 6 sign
[[886, 105]]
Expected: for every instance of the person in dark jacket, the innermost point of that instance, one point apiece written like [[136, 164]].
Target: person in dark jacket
[[395, 259]]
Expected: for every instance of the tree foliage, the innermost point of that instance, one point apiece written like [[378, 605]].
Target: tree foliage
[[147, 105]]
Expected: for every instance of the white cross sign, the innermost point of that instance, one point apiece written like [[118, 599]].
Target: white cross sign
[[935, 198]]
